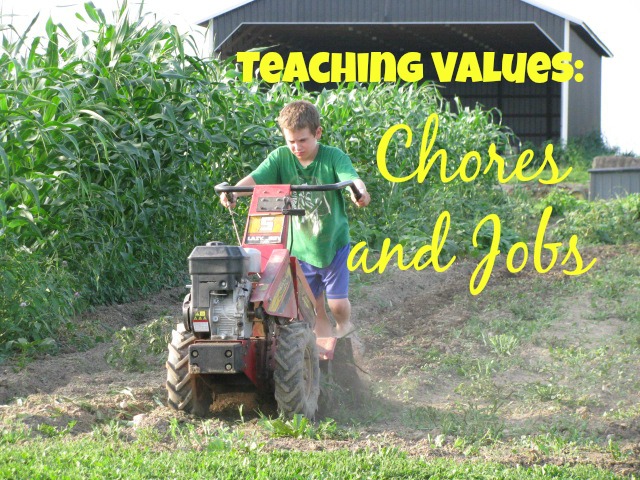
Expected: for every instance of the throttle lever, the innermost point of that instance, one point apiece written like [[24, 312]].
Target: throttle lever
[[294, 211]]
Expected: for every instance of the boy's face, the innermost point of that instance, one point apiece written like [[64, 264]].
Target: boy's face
[[302, 143]]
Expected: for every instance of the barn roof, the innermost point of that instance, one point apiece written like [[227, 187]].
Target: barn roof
[[436, 25]]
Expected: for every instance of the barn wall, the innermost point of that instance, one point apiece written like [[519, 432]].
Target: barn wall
[[585, 97], [532, 110]]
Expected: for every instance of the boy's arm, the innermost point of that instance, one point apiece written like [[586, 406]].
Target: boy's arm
[[247, 181], [365, 198]]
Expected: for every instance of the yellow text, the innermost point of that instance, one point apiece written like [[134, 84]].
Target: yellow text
[[325, 67], [545, 254], [482, 273], [425, 256], [538, 67], [470, 165]]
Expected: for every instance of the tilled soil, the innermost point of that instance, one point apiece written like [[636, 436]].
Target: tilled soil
[[404, 318]]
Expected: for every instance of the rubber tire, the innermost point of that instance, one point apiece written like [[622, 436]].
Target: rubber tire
[[297, 371], [186, 392]]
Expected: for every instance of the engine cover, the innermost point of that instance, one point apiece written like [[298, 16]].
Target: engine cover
[[228, 313]]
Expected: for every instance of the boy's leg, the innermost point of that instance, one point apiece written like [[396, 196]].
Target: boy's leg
[[323, 327], [336, 281], [331, 282], [323, 324], [341, 311]]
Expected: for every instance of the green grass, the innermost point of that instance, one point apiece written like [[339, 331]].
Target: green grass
[[115, 458], [529, 357], [567, 401]]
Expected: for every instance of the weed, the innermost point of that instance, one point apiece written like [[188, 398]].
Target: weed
[[571, 429], [133, 347], [52, 431], [560, 201], [502, 345], [12, 433], [614, 449], [632, 411], [147, 437], [474, 367], [473, 422], [108, 431], [613, 222], [431, 356], [297, 427], [300, 427], [329, 429], [548, 444], [37, 300], [546, 392], [484, 389]]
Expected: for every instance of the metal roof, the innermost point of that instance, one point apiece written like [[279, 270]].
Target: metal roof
[[576, 22], [226, 9], [456, 25]]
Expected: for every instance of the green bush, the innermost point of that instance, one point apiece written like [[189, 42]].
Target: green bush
[[560, 201], [36, 299], [613, 222], [578, 152], [140, 348]]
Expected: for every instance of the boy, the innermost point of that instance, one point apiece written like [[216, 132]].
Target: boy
[[321, 237]]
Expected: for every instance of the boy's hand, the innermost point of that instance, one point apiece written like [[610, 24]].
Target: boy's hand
[[365, 198], [228, 199]]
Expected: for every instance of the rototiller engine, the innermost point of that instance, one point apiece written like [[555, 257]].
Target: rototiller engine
[[248, 319]]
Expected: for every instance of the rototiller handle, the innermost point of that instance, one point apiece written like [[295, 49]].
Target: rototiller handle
[[226, 188], [328, 187]]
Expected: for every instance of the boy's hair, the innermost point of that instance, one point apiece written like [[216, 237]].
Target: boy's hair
[[299, 115]]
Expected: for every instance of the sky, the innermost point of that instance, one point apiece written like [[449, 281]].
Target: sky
[[614, 22]]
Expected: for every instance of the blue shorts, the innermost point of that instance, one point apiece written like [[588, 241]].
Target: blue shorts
[[333, 279]]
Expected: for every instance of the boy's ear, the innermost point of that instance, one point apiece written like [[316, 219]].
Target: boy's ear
[[318, 133]]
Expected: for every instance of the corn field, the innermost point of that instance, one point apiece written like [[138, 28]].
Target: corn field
[[111, 143]]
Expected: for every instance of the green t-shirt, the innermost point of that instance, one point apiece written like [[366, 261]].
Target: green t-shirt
[[316, 237]]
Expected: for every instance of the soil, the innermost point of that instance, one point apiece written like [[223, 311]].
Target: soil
[[406, 319]]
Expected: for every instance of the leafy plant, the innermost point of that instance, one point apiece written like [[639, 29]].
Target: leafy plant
[[137, 349], [612, 222], [546, 392], [300, 427], [37, 298], [560, 201], [52, 431], [297, 427], [503, 344]]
